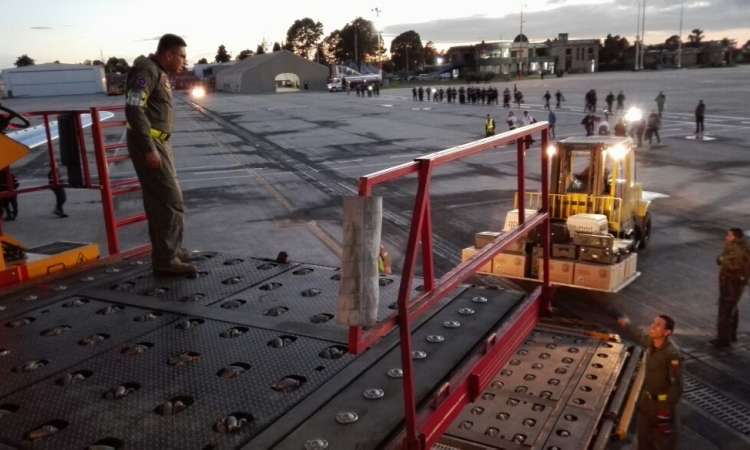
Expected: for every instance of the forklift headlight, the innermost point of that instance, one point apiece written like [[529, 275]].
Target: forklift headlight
[[617, 152], [633, 115]]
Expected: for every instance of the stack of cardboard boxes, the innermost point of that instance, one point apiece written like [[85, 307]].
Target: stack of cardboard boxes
[[597, 261]]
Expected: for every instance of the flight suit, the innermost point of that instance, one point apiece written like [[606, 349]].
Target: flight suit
[[732, 280], [662, 388], [150, 118]]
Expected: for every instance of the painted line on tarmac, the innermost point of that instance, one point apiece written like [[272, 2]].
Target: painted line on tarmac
[[341, 162], [464, 205], [220, 171]]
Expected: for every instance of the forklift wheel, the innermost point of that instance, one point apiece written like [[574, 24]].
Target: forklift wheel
[[643, 231]]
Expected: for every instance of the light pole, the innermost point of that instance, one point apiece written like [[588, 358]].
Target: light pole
[[637, 36], [377, 12], [643, 35], [679, 40], [520, 45]]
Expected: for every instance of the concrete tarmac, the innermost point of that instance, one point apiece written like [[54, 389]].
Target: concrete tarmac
[[261, 174]]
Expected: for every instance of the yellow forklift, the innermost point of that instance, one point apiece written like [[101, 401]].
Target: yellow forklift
[[597, 175]]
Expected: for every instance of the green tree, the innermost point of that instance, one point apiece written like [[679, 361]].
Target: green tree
[[672, 42], [407, 42], [262, 47], [23, 60], [222, 55], [115, 64], [613, 49], [202, 61], [276, 47], [695, 38], [97, 62], [359, 31], [303, 36], [430, 53], [244, 54]]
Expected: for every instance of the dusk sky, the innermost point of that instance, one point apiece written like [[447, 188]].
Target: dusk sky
[[72, 32]]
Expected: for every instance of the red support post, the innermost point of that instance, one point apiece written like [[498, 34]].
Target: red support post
[[428, 264], [84, 154], [404, 295], [110, 223], [51, 151], [521, 147]]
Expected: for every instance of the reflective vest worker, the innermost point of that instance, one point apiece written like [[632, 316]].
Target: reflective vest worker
[[489, 126]]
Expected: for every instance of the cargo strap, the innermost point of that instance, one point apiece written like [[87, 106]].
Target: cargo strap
[[660, 397], [156, 134]]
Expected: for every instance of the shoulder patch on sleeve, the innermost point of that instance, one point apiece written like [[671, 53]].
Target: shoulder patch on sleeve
[[141, 82], [136, 97]]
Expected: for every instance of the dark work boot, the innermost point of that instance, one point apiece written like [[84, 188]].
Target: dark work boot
[[176, 268], [719, 344]]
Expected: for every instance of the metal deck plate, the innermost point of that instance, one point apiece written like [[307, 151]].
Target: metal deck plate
[[378, 418], [91, 418], [307, 294], [219, 275], [25, 342], [48, 292], [548, 395]]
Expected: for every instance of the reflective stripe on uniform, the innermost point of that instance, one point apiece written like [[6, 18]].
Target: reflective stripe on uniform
[[156, 134]]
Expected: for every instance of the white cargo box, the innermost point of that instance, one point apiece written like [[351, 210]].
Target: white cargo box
[[587, 223], [511, 219]]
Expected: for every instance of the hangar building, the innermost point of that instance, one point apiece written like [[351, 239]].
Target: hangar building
[[54, 79], [272, 72]]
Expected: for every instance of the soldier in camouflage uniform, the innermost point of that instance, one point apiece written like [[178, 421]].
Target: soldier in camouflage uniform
[[734, 261], [150, 120], [662, 386]]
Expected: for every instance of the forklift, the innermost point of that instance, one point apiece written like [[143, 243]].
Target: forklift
[[597, 175]]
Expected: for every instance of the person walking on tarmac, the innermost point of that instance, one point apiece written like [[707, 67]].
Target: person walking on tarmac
[[547, 98], [489, 126], [662, 386], [621, 128], [660, 100], [559, 97], [506, 98], [735, 269], [150, 122], [60, 196], [610, 99], [652, 129], [420, 91], [414, 94], [519, 98], [552, 119], [700, 114], [620, 101]]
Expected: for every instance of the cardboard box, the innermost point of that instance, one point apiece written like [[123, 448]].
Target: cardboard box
[[630, 264], [484, 238], [468, 252], [560, 271], [598, 276], [510, 264]]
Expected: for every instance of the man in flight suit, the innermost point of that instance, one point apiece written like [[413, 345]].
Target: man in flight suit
[[150, 120], [734, 260], [662, 386]]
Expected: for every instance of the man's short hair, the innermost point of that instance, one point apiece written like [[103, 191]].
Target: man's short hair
[[739, 234], [668, 322], [170, 42]]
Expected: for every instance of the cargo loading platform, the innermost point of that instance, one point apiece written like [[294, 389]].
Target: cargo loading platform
[[118, 357]]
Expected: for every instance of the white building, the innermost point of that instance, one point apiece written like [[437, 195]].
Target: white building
[[54, 79]]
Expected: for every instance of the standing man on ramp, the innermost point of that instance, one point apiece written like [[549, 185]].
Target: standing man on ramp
[[150, 118]]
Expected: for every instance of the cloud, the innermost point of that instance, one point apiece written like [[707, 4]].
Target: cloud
[[42, 28], [584, 21]]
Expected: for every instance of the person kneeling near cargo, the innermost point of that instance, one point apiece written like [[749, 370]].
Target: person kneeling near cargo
[[662, 386], [150, 118]]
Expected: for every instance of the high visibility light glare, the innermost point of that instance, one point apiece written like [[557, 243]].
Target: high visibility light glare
[[551, 150], [369, 88], [617, 152], [198, 92], [633, 115]]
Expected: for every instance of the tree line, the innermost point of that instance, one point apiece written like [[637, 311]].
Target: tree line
[[359, 42]]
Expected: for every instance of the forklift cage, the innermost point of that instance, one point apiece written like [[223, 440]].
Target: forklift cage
[[424, 429]]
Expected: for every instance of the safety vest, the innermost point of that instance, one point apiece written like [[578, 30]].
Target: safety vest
[[490, 126]]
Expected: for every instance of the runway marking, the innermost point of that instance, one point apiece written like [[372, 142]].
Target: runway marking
[[341, 162], [219, 171], [407, 156], [462, 205]]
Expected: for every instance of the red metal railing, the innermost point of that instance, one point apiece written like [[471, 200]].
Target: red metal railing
[[108, 190], [424, 429]]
